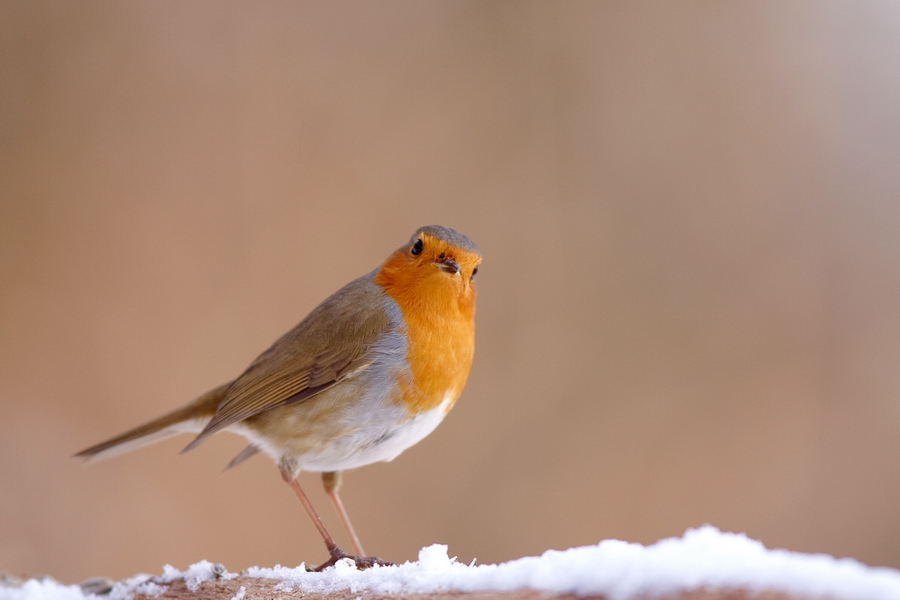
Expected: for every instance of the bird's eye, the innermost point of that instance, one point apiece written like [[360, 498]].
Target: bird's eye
[[417, 248], [475, 270]]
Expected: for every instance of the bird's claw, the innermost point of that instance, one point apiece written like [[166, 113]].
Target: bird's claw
[[361, 562]]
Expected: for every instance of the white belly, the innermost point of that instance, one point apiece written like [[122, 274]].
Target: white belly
[[386, 434]]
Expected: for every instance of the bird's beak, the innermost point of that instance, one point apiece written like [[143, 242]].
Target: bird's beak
[[448, 265]]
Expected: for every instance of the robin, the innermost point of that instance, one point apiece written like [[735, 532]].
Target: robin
[[368, 373]]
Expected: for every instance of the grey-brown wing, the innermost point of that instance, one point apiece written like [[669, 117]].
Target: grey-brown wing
[[332, 343]]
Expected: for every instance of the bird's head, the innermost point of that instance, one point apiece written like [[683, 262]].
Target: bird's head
[[437, 264]]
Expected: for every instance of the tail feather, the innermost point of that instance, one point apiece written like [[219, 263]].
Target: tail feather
[[192, 417], [246, 453]]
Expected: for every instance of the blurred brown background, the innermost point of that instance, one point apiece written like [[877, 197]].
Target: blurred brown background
[[689, 309]]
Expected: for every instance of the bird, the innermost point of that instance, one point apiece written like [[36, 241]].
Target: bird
[[368, 373]]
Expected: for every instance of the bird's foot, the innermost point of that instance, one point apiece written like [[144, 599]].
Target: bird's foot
[[362, 562]]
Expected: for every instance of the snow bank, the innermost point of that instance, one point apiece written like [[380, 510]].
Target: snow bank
[[703, 557]]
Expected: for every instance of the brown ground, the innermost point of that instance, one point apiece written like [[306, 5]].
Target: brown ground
[[265, 589]]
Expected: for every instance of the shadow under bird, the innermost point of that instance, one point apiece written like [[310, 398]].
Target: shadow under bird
[[368, 373]]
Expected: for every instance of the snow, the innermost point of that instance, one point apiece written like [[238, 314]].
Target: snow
[[704, 557]]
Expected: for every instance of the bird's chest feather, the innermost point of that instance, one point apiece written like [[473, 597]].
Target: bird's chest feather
[[439, 357], [439, 329]]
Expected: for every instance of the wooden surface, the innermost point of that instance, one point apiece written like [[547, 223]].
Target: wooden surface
[[268, 589]]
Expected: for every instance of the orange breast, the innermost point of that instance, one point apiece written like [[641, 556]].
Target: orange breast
[[439, 316]]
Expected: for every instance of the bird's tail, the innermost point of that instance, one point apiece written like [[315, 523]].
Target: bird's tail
[[191, 417]]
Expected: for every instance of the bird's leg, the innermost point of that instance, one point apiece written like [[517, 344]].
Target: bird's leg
[[332, 482], [362, 562], [329, 541]]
